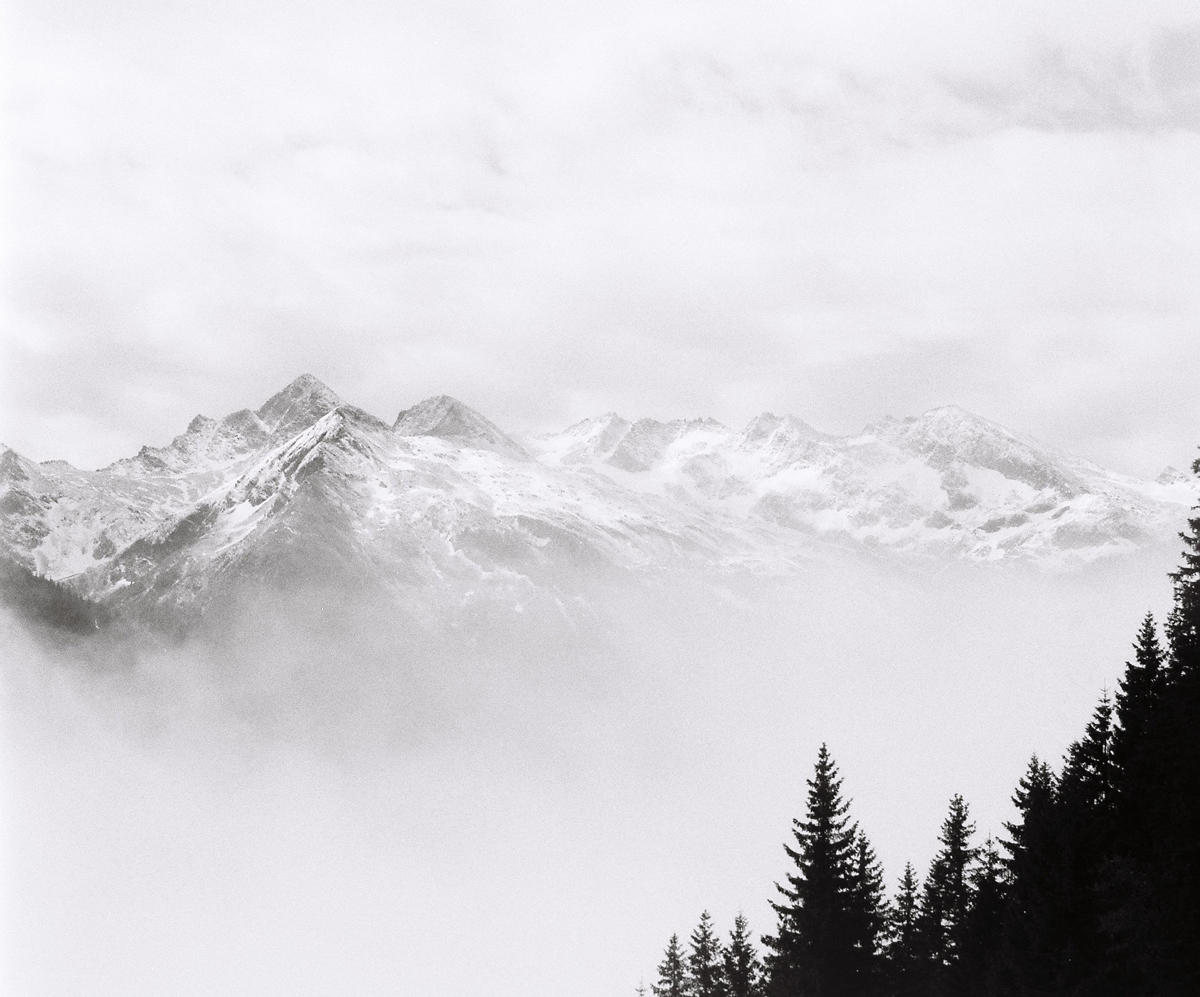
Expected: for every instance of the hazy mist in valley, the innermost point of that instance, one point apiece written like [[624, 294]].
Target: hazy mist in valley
[[315, 797]]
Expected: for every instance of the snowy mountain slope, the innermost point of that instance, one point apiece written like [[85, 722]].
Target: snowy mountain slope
[[946, 483], [349, 501], [449, 419], [59, 520], [443, 505]]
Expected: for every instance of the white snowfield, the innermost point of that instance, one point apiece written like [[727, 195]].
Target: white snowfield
[[308, 484]]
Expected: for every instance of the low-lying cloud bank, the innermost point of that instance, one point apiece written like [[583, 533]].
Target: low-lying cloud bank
[[320, 799]]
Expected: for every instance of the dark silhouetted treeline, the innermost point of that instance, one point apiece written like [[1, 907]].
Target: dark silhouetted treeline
[[46, 604], [1093, 891]]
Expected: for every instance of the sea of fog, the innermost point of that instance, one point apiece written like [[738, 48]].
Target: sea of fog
[[318, 800]]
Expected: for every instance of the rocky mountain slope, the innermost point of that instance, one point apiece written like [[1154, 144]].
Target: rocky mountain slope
[[443, 508]]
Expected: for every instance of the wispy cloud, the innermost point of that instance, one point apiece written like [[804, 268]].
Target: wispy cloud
[[664, 208]]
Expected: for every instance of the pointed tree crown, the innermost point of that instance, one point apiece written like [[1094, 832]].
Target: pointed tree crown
[[672, 975], [1140, 687], [824, 841], [743, 970], [705, 970], [1183, 625]]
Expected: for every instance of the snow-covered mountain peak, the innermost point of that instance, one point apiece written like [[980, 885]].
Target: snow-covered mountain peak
[[949, 423], [647, 442], [782, 440], [310, 485], [588, 440], [297, 406], [762, 427], [950, 437], [343, 431], [449, 419]]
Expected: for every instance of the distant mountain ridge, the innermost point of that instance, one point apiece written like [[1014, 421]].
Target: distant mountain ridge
[[443, 505]]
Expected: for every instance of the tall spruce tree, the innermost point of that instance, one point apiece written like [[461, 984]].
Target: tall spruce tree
[[1088, 775], [982, 931], [1183, 625], [743, 970], [868, 910], [672, 972], [947, 894], [1084, 822], [904, 960], [1134, 754], [1138, 694], [1131, 935], [1034, 800], [812, 953], [1033, 922], [705, 968]]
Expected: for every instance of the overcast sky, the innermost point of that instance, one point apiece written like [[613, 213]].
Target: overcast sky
[[555, 210]]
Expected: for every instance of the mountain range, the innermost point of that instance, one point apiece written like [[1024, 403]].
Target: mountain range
[[442, 508]]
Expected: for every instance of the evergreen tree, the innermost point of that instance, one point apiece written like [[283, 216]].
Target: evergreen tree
[[1034, 800], [705, 967], [1129, 918], [868, 911], [812, 953], [905, 965], [980, 937], [1084, 825], [743, 970], [1031, 942], [931, 933], [1139, 692], [672, 974], [1183, 625], [1088, 777], [947, 895], [1134, 754]]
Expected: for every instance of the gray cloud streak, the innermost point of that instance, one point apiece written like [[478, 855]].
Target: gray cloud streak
[[661, 210]]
